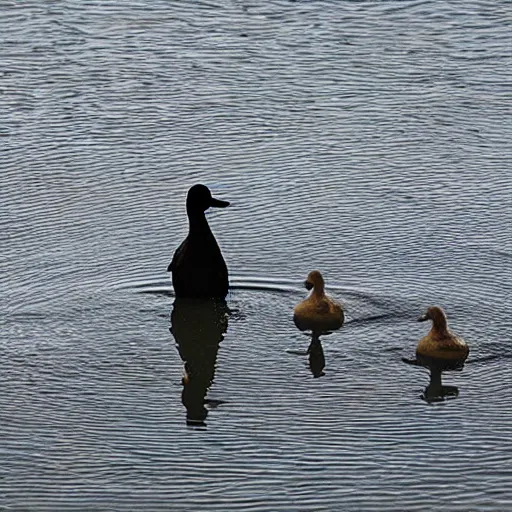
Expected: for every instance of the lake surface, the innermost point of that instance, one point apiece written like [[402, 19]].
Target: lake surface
[[369, 140]]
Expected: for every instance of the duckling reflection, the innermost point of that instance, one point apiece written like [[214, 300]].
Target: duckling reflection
[[316, 357], [198, 326], [440, 350], [319, 312], [436, 391]]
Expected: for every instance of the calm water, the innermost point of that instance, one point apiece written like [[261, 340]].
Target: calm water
[[370, 140]]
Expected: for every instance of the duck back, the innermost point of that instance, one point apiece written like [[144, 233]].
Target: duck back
[[442, 346], [198, 269], [318, 315]]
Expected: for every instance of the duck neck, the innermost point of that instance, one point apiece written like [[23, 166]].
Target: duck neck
[[440, 326], [318, 291], [197, 223]]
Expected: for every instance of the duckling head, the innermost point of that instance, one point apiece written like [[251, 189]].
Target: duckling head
[[199, 199], [437, 315], [314, 281]]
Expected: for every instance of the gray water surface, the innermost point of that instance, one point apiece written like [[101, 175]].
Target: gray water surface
[[369, 140]]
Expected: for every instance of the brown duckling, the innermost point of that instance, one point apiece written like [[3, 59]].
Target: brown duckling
[[318, 312], [440, 342]]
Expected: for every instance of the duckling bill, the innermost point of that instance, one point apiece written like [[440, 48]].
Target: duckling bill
[[318, 312], [198, 267]]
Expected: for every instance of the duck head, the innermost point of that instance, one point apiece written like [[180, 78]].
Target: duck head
[[199, 199], [437, 315], [314, 280]]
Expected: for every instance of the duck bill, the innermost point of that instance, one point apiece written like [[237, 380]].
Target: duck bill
[[422, 318], [308, 285], [218, 203]]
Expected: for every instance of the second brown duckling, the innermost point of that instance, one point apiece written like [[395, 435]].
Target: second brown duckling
[[440, 342]]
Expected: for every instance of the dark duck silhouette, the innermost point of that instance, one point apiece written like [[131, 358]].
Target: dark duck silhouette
[[198, 268]]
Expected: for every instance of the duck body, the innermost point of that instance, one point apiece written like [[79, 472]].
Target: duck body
[[318, 312], [440, 342], [198, 267]]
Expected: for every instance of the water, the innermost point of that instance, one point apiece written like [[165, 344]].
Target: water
[[368, 140]]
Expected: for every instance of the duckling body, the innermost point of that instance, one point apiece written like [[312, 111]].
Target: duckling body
[[440, 342], [318, 312], [198, 267]]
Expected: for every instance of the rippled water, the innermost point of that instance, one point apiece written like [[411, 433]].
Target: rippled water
[[370, 140]]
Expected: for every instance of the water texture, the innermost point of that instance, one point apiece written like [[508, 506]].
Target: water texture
[[369, 140]]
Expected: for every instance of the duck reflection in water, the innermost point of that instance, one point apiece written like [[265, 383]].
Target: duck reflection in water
[[198, 326], [440, 350], [319, 314]]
